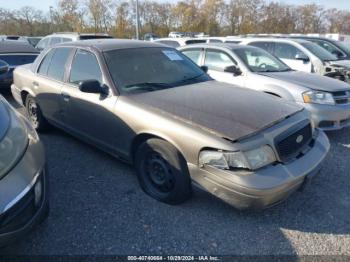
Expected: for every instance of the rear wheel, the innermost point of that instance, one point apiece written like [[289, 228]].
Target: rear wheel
[[35, 115], [162, 171]]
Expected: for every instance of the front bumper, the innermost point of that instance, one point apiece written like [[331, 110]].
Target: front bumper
[[22, 205], [16, 93], [266, 186], [329, 117]]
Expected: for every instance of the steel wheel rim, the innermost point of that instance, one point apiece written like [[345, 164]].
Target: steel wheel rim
[[33, 112], [159, 173]]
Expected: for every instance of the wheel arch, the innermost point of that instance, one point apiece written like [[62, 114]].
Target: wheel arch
[[144, 136]]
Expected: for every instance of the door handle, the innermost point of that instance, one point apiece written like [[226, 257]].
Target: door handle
[[65, 96], [35, 84]]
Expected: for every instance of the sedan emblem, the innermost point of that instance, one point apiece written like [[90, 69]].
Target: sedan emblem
[[299, 139]]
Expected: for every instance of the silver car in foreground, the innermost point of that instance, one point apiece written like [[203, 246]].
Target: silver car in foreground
[[327, 99], [23, 178], [152, 106]]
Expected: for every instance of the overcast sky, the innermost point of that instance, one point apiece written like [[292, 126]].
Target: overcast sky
[[45, 4]]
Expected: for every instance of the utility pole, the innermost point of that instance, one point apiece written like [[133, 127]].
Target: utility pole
[[137, 20]]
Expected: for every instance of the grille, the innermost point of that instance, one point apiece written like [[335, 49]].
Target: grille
[[291, 145], [341, 97]]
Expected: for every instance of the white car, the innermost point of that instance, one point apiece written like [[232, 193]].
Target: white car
[[58, 38], [303, 55], [175, 34], [327, 99]]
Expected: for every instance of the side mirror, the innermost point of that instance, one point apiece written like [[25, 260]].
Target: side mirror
[[337, 54], [4, 67], [92, 86], [233, 69], [204, 68], [302, 57]]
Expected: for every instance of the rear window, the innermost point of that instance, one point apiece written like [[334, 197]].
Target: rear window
[[190, 42], [20, 59], [86, 37]]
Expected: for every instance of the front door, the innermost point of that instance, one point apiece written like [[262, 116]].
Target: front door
[[89, 115], [217, 61]]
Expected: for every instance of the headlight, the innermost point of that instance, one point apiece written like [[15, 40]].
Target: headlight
[[252, 159], [13, 144], [318, 97]]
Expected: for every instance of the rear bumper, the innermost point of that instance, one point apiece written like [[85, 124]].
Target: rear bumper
[[329, 117], [265, 187], [24, 195]]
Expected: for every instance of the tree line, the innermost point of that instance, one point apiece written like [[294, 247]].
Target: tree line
[[213, 17]]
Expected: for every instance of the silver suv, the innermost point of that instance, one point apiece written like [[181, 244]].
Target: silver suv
[[327, 99]]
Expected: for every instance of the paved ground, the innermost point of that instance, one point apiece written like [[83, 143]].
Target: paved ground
[[97, 207]]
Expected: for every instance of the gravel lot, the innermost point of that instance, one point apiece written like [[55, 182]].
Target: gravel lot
[[97, 207]]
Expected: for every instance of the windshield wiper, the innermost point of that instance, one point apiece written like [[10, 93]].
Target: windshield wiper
[[148, 86], [188, 79]]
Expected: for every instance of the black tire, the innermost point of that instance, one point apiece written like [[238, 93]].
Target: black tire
[[35, 115], [162, 172]]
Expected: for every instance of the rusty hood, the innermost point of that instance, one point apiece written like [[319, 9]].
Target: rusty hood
[[226, 110]]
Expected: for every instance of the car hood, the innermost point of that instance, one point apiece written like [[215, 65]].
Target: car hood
[[312, 81], [341, 63], [225, 110], [4, 119]]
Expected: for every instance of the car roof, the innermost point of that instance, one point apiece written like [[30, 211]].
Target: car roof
[[8, 46], [111, 44], [231, 46], [271, 39]]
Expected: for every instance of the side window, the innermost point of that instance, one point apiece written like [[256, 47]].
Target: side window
[[64, 39], [45, 63], [217, 60], [43, 43], [193, 54], [58, 63], [267, 46], [232, 42], [84, 67], [215, 41], [55, 40], [286, 51]]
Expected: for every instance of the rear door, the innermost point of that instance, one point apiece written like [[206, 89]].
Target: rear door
[[89, 115], [48, 83]]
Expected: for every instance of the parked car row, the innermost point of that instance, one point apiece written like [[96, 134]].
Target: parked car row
[[311, 55], [232, 119], [327, 99]]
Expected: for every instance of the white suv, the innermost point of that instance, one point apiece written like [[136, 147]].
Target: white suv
[[58, 38], [302, 55]]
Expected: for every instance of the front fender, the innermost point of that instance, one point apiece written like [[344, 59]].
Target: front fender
[[279, 91]]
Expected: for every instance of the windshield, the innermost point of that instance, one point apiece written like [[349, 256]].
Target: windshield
[[319, 51], [258, 60], [150, 69], [344, 47]]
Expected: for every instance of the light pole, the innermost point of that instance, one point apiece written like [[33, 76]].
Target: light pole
[[137, 20]]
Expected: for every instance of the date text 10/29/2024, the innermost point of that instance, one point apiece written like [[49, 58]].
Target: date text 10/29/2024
[[173, 258]]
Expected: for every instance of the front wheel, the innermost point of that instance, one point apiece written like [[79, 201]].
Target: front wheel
[[35, 115], [162, 172]]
